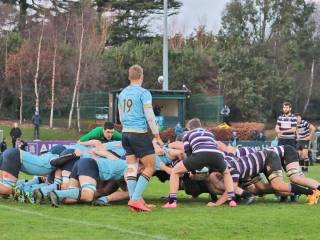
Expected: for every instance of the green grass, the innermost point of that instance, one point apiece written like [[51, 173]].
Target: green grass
[[45, 134], [266, 219]]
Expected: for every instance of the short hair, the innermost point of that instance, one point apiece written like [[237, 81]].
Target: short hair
[[108, 125], [135, 72], [286, 104], [194, 123]]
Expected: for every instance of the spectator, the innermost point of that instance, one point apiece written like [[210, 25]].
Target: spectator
[[234, 138], [254, 135], [15, 133], [225, 112], [36, 121], [261, 137], [21, 144], [3, 145], [178, 129]]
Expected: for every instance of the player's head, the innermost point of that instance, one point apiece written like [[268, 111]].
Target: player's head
[[108, 130], [15, 125], [286, 108], [136, 74], [194, 123]]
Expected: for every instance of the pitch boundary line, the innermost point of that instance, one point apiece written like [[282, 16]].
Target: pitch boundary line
[[80, 222]]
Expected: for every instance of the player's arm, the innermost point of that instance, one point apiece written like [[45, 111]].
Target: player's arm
[[151, 119], [104, 153], [165, 168], [176, 145], [312, 130], [223, 147]]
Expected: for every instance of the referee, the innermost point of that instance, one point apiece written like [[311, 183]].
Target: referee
[[286, 126]]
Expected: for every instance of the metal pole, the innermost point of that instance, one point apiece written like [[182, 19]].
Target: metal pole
[[165, 85]]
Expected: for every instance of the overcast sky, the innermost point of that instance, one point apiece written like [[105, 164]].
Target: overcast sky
[[194, 13]]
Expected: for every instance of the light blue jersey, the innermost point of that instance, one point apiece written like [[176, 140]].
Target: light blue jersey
[[115, 146], [111, 169], [37, 165], [162, 159], [131, 102], [82, 149]]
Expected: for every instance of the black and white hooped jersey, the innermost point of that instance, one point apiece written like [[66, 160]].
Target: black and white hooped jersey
[[285, 123]]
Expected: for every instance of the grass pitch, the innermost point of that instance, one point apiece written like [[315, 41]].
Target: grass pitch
[[266, 219]]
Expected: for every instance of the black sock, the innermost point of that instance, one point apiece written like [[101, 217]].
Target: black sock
[[296, 189], [172, 197], [246, 194], [301, 163]]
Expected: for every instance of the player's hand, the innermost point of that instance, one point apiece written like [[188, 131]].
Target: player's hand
[[77, 152], [159, 141]]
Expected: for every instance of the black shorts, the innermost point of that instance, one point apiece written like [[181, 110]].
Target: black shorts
[[85, 167], [291, 142], [11, 162], [303, 144], [212, 160], [272, 164], [138, 144], [69, 165], [290, 156]]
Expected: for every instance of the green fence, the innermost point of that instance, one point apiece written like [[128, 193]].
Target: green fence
[[207, 108], [94, 105]]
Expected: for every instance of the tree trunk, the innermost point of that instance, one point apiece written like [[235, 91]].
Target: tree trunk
[[310, 87], [53, 83], [36, 89], [21, 95], [76, 86], [78, 110]]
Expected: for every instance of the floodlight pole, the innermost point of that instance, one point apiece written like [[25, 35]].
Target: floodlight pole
[[165, 85]]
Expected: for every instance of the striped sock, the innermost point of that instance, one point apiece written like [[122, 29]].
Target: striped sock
[[131, 184], [172, 197], [231, 196], [142, 183]]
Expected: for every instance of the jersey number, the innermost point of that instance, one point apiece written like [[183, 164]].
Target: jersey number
[[127, 105]]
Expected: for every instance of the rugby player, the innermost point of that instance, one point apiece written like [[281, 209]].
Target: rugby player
[[286, 126], [267, 162], [135, 111], [16, 160], [105, 134], [305, 132], [202, 151]]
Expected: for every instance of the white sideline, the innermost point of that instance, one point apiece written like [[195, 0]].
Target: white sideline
[[157, 237]]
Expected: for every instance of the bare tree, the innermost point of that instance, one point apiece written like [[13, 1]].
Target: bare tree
[[53, 80], [36, 76], [77, 83], [21, 95]]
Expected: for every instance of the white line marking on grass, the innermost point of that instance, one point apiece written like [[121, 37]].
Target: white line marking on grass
[[157, 237]]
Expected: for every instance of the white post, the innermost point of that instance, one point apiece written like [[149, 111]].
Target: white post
[[165, 85]]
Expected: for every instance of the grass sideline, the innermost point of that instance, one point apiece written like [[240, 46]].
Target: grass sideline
[[45, 134]]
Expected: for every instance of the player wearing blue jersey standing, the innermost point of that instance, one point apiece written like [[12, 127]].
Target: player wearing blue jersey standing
[[136, 113]]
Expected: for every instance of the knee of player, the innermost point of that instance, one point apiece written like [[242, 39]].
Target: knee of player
[[87, 192], [86, 196]]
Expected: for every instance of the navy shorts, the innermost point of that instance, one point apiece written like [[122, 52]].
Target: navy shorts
[[302, 144], [291, 142], [213, 160], [85, 167], [138, 144], [11, 161]]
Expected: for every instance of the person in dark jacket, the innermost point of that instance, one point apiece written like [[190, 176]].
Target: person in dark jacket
[[15, 133], [3, 145], [36, 121]]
